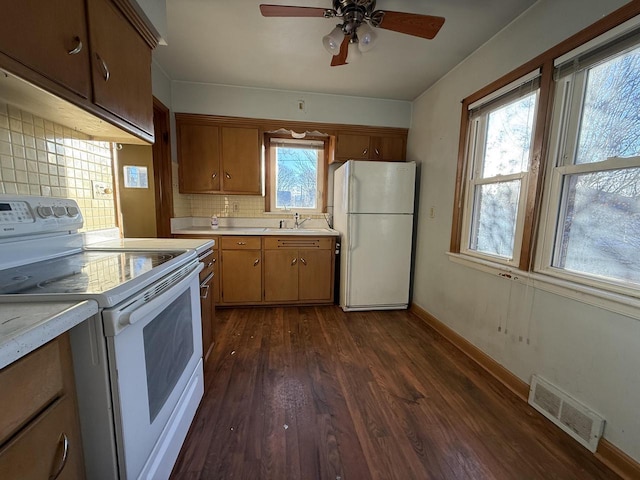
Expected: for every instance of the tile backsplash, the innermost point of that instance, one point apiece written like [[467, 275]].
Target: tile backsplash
[[39, 157]]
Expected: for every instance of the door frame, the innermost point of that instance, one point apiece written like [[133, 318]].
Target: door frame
[[161, 151]]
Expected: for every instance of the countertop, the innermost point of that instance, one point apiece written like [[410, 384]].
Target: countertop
[[261, 231], [27, 326], [156, 244]]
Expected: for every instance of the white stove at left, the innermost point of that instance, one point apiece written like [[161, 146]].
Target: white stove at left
[[138, 361]]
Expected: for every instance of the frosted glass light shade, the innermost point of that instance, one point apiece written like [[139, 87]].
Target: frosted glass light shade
[[353, 53], [367, 37], [332, 41]]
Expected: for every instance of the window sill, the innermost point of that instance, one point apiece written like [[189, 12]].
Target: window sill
[[613, 302]]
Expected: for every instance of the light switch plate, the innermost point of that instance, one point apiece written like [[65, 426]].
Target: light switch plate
[[102, 190]]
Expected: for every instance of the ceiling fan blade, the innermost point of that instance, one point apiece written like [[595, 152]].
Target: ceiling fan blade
[[341, 57], [424, 26], [290, 11]]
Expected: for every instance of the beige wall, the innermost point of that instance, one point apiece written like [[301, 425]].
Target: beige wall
[[39, 157], [588, 351]]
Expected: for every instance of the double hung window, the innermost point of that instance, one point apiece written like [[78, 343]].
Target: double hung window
[[296, 174], [501, 129], [592, 228]]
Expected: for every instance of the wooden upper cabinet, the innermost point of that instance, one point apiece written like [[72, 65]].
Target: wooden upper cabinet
[[49, 38], [217, 158], [361, 146], [241, 160], [352, 147], [388, 148], [198, 158], [120, 65]]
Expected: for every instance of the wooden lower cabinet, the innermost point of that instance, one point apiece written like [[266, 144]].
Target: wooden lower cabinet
[[315, 275], [207, 304], [39, 428], [241, 277], [298, 270]]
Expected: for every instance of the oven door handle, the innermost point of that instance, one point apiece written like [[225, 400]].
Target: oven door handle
[[159, 302]]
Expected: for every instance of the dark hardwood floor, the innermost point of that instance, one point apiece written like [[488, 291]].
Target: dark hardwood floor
[[316, 393]]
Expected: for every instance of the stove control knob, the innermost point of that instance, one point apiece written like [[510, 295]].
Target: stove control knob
[[44, 212], [59, 211], [72, 211]]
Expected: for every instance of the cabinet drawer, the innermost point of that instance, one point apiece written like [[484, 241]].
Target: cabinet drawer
[[279, 243], [240, 243], [39, 451], [208, 260], [39, 379]]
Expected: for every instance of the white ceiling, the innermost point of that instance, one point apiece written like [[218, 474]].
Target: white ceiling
[[229, 42]]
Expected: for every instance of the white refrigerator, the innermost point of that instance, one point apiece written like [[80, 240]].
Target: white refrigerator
[[373, 211]]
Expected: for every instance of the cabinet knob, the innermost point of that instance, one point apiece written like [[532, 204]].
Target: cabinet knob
[[65, 453], [304, 262], [226, 174], [365, 151], [377, 152], [78, 47], [256, 262], [105, 70], [294, 261], [242, 243], [214, 175]]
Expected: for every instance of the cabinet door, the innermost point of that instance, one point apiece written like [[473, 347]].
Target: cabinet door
[[280, 275], [120, 66], [352, 147], [38, 451], [241, 160], [315, 274], [50, 38], [241, 276], [390, 148], [198, 158]]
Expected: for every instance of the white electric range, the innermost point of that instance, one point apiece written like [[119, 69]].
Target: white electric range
[[138, 363]]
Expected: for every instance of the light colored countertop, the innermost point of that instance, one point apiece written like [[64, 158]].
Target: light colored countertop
[[313, 232], [156, 244], [27, 326]]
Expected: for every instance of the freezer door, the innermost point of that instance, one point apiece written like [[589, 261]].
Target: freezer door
[[376, 270], [380, 187]]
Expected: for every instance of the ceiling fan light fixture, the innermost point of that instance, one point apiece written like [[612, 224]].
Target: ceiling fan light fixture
[[333, 40], [366, 37], [354, 54]]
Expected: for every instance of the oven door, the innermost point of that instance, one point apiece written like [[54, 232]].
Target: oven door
[[155, 365]]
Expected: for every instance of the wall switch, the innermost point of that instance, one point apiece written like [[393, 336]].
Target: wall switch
[[236, 207], [432, 212], [301, 106], [101, 190]]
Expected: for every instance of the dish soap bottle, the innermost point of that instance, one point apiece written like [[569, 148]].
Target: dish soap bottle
[[214, 222]]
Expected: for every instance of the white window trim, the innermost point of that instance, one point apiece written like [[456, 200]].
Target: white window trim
[[566, 108], [321, 174], [476, 138]]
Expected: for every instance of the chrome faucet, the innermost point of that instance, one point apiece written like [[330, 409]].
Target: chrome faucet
[[298, 223]]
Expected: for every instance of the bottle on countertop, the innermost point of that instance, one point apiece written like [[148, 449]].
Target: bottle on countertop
[[214, 222]]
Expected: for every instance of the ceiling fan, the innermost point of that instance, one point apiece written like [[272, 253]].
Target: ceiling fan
[[355, 35]]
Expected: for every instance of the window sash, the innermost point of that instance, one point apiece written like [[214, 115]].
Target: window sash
[[318, 145], [564, 137]]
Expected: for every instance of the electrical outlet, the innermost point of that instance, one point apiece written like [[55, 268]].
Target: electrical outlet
[[432, 212], [236, 207], [102, 190]]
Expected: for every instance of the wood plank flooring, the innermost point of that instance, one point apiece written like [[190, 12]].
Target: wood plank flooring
[[316, 393]]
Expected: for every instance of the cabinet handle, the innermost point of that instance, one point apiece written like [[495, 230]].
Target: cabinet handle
[[294, 261], [63, 460], [242, 243], [205, 286], [105, 70], [256, 262], [213, 261], [78, 48], [365, 151], [210, 263], [214, 175], [304, 262], [226, 174], [377, 152]]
